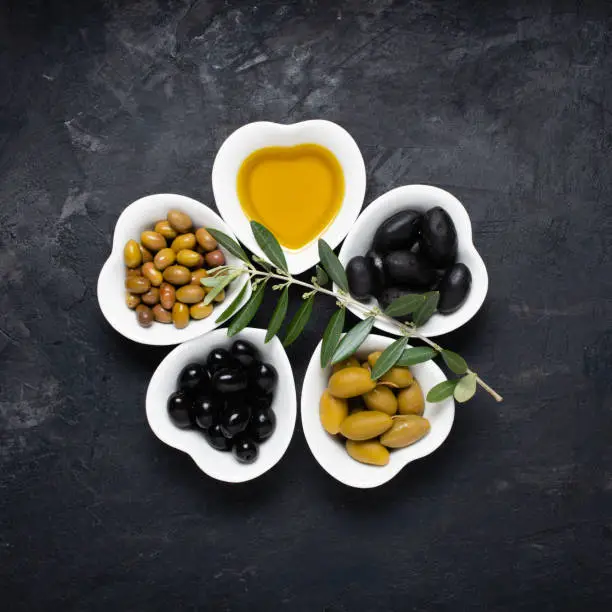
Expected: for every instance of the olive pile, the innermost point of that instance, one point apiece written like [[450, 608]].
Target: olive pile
[[373, 416], [228, 398], [163, 282], [412, 252]]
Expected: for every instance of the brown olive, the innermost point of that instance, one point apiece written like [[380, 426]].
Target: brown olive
[[161, 314], [350, 362], [190, 258], [381, 398], [131, 254], [144, 315], [197, 276], [410, 400], [332, 411], [205, 240], [365, 425], [180, 315], [179, 220], [131, 300], [153, 241], [177, 275], [350, 382], [200, 311], [147, 256], [184, 241], [214, 259], [165, 229], [133, 272], [152, 273], [151, 297], [167, 295], [371, 452], [137, 284], [406, 430], [164, 258], [190, 294]]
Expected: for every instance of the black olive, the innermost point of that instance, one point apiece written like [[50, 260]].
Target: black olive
[[220, 358], [439, 237], [229, 381], [244, 352], [193, 376], [261, 401], [406, 268], [398, 232], [263, 424], [454, 288], [245, 450], [235, 418], [377, 270], [359, 277], [205, 411], [262, 377], [214, 436], [180, 409]]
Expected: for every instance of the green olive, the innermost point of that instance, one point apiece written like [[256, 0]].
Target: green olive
[[164, 258], [190, 294], [398, 377], [381, 398], [164, 228], [167, 295], [153, 274], [410, 400], [161, 314], [144, 315], [151, 297], [205, 240], [147, 256], [406, 430], [197, 276], [220, 297], [350, 362], [180, 315], [190, 258], [200, 311], [373, 358], [131, 254], [179, 220], [177, 275], [332, 411], [184, 241], [350, 382], [365, 425], [133, 272], [137, 284], [152, 241], [371, 452], [131, 300]]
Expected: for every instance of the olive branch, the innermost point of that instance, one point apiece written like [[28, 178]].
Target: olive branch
[[335, 347]]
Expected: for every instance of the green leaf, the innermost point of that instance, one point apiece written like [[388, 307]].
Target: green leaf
[[423, 313], [405, 305], [245, 316], [331, 264], [226, 279], [465, 388], [441, 391], [417, 354], [278, 315], [322, 277], [269, 245], [212, 281], [353, 340], [389, 357], [229, 244], [299, 321], [331, 336], [234, 306], [455, 362]]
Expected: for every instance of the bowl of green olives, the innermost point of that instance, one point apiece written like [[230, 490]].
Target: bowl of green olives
[[363, 432], [229, 403], [414, 239], [150, 292]]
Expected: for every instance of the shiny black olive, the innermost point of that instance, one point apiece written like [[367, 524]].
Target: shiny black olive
[[262, 425], [205, 411], [245, 450], [261, 401], [359, 277], [235, 418], [439, 242], [214, 436], [454, 288], [262, 377], [193, 376], [377, 271], [406, 268], [179, 409], [392, 293], [398, 232], [244, 352], [218, 359], [229, 381]]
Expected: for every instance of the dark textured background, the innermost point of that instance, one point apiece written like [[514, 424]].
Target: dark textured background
[[506, 104]]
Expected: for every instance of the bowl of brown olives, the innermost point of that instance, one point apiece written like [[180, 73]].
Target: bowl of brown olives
[[149, 288], [414, 239], [364, 431], [229, 403]]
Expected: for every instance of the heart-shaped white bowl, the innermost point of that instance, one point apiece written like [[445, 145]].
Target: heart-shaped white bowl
[[137, 217], [253, 136], [422, 198], [217, 464], [329, 450]]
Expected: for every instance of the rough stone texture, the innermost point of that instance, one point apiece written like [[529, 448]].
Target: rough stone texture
[[506, 104]]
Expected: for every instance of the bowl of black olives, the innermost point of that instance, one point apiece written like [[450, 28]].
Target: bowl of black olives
[[415, 239], [229, 403]]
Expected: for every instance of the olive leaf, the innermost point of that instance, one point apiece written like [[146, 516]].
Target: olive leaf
[[322, 277], [234, 306], [228, 243], [331, 264], [389, 357], [455, 362], [417, 354], [353, 340], [245, 316], [465, 387], [299, 321], [423, 313], [405, 305], [441, 391], [269, 245], [278, 315], [331, 336], [225, 280]]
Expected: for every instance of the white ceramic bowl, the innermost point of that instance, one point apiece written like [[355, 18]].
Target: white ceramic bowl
[[217, 464], [329, 451], [247, 139], [422, 197], [137, 217]]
